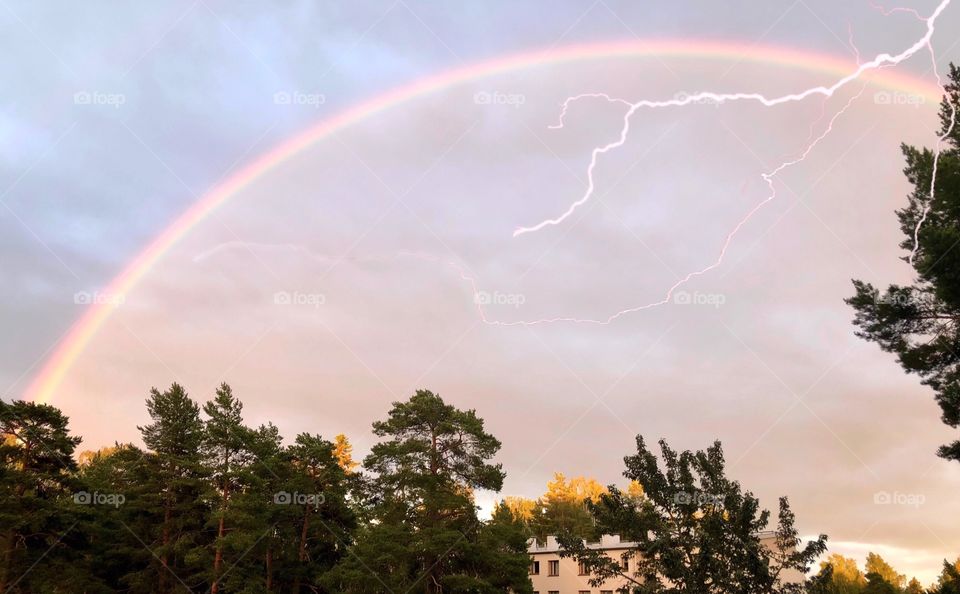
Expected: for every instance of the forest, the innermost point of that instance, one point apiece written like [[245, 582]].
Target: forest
[[209, 503]]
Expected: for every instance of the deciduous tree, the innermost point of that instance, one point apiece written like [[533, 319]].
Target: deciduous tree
[[696, 531]]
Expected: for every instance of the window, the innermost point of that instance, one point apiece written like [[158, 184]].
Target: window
[[584, 591], [534, 568], [625, 564], [582, 569], [553, 591], [553, 567], [601, 592]]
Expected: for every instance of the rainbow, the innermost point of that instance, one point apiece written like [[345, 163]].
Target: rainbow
[[72, 345]]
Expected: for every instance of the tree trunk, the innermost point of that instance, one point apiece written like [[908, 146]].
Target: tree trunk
[[302, 551], [11, 536], [7, 560], [432, 513], [224, 496], [218, 556], [269, 563], [166, 542]]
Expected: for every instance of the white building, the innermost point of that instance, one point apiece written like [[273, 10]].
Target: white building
[[551, 574]]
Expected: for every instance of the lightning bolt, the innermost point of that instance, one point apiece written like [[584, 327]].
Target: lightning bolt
[[768, 178], [936, 160], [879, 61], [937, 150], [883, 60]]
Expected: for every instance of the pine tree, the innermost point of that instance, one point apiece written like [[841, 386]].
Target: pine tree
[[918, 322], [426, 535], [119, 559], [174, 439], [37, 516], [317, 493], [226, 449]]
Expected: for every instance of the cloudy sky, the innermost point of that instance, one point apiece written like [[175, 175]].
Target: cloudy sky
[[350, 274]]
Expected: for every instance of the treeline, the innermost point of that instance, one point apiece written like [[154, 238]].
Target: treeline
[[211, 504], [840, 575], [565, 508]]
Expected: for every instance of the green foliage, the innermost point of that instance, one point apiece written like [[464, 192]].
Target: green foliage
[[38, 522], [949, 581], [695, 530], [876, 565], [425, 533], [913, 587], [211, 504], [840, 575], [877, 585], [918, 322], [176, 486]]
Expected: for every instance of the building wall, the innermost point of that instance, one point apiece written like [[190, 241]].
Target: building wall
[[569, 580]]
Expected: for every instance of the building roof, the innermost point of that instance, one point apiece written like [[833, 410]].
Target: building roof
[[606, 542]]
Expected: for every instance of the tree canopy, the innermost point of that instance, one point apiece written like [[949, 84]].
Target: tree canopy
[[696, 531], [920, 322]]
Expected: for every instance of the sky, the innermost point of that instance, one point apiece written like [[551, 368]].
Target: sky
[[382, 258]]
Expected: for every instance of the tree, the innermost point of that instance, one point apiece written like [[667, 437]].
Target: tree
[[317, 495], [36, 481], [876, 564], [563, 508], [949, 580], [913, 587], [119, 558], [174, 439], [877, 585], [920, 323], [227, 456], [425, 533], [497, 560], [521, 508], [695, 530], [840, 575], [343, 450]]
